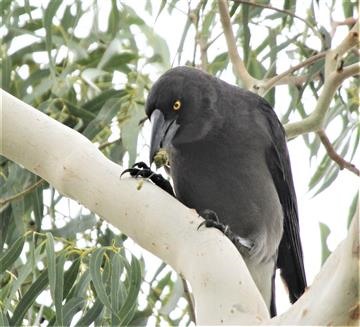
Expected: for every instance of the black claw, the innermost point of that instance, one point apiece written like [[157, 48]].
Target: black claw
[[209, 215], [141, 165], [212, 220], [141, 169]]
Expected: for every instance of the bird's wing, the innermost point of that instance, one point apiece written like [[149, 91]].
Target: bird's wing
[[290, 256]]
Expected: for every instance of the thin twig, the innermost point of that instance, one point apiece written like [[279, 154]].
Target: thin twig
[[284, 11], [22, 193], [343, 164], [347, 21], [348, 71], [106, 144], [278, 78], [238, 65], [296, 80], [335, 74], [199, 39]]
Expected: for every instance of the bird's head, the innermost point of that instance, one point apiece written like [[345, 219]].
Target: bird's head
[[181, 106]]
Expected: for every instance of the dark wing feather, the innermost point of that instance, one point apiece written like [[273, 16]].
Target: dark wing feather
[[290, 256]]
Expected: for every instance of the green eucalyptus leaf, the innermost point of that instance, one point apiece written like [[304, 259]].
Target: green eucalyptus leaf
[[72, 307], [103, 118], [129, 117], [5, 4], [116, 269], [209, 21], [354, 207], [117, 151], [219, 63], [120, 62], [127, 310], [5, 223], [4, 321], [97, 102], [324, 234], [234, 7], [114, 19], [51, 258], [158, 57], [329, 177], [9, 257], [79, 112], [38, 206], [246, 34], [49, 15], [70, 277], [95, 265], [23, 274], [90, 316], [59, 290], [161, 8], [19, 56], [80, 288], [6, 67], [320, 172], [28, 299]]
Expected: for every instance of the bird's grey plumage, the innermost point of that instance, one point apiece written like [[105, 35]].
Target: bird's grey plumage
[[228, 154]]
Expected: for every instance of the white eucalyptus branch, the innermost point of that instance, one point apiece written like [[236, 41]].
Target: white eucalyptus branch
[[223, 289]]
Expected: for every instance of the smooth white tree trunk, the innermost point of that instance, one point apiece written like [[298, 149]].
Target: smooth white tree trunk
[[223, 289]]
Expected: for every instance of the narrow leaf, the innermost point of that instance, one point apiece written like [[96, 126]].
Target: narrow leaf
[[73, 306], [49, 14], [324, 234], [162, 6], [10, 256], [91, 314], [3, 319], [51, 259], [6, 73], [246, 33], [95, 272], [37, 200], [95, 104], [29, 298], [128, 309], [70, 277], [353, 207], [104, 117], [59, 289], [80, 288], [116, 268], [329, 178]]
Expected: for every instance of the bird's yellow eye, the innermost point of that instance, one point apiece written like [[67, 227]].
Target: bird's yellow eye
[[177, 105]]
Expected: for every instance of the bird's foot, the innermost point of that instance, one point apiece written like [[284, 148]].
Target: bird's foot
[[141, 169], [212, 220]]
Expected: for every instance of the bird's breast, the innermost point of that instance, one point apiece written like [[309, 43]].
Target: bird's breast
[[235, 184]]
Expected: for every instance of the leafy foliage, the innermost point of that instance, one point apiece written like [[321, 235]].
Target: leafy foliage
[[86, 65]]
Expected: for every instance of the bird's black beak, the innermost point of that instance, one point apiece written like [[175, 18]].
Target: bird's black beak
[[162, 132]]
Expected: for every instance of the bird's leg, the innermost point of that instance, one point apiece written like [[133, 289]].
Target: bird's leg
[[141, 169], [212, 220]]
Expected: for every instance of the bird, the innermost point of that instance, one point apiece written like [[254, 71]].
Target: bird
[[228, 156]]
